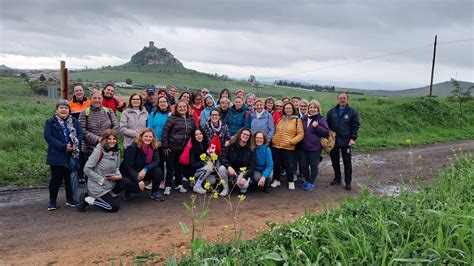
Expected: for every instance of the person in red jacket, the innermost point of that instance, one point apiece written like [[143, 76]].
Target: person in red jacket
[[110, 100]]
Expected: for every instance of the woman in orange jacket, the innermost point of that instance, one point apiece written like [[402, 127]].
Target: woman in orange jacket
[[288, 132]]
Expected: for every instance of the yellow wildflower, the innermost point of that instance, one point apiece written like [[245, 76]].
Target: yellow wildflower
[[203, 157], [408, 141], [222, 182], [419, 157], [207, 185], [243, 169], [192, 179], [215, 195], [241, 197], [214, 157]]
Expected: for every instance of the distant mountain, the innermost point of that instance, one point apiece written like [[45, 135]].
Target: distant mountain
[[442, 89], [4, 67]]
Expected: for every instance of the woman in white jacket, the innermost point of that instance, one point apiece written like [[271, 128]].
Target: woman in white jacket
[[133, 119]]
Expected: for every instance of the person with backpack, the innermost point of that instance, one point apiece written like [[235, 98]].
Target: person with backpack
[[94, 121], [238, 116], [63, 134], [176, 133], [111, 101], [133, 119], [315, 128], [105, 180], [288, 132], [344, 121], [141, 163]]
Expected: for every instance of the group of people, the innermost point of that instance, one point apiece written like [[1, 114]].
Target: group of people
[[190, 142]]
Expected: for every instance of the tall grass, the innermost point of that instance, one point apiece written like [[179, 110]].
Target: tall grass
[[433, 226]]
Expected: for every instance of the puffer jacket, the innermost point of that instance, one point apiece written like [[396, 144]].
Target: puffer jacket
[[237, 119], [156, 121], [263, 123], [96, 168], [206, 112], [346, 126], [289, 132], [177, 131], [313, 135], [94, 125], [131, 123]]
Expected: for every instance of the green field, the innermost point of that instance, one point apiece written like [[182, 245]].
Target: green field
[[385, 122], [433, 226]]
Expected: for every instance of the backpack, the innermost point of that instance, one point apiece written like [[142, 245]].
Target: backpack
[[87, 112], [329, 142]]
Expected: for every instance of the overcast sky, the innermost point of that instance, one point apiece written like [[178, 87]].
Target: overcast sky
[[269, 39]]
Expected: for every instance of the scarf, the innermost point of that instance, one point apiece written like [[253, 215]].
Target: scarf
[[70, 134], [148, 151], [218, 129], [258, 115]]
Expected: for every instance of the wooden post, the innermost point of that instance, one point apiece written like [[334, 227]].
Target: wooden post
[[432, 66], [63, 80]]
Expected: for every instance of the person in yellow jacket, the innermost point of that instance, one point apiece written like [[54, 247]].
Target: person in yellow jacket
[[288, 132]]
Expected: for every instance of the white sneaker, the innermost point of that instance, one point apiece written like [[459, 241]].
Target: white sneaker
[[275, 183], [182, 189], [295, 178], [291, 185], [224, 192], [167, 191], [199, 190]]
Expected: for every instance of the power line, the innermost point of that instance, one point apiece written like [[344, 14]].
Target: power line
[[365, 59]]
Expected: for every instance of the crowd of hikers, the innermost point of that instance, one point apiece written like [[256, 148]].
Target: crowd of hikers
[[191, 142]]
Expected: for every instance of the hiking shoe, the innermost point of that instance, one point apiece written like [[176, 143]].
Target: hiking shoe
[[224, 192], [82, 204], [291, 185], [199, 190], [335, 182], [181, 189], [157, 196], [348, 187], [126, 195], [52, 206], [71, 203], [309, 187], [167, 191], [302, 185], [276, 183]]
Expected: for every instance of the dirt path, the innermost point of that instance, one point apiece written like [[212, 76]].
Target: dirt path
[[32, 235]]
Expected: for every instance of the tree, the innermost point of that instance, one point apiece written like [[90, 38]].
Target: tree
[[42, 78], [23, 75], [129, 81], [457, 94]]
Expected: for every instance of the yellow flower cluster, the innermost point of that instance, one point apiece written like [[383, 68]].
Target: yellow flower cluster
[[243, 169], [203, 157], [207, 185], [215, 195], [214, 157], [192, 179], [241, 197]]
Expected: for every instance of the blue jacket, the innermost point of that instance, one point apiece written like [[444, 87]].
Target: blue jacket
[[264, 161], [54, 136], [237, 119], [156, 121], [206, 112], [264, 123]]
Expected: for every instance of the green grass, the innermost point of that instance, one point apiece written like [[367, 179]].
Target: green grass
[[386, 122], [432, 226]]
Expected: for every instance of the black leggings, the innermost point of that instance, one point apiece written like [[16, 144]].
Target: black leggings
[[58, 173], [173, 168], [109, 203], [282, 159], [155, 175]]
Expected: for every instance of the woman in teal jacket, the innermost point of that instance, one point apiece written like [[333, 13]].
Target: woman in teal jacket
[[209, 105], [157, 120], [263, 173]]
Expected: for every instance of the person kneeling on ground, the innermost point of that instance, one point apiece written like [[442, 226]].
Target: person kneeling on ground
[[105, 180], [238, 156], [141, 163], [263, 173]]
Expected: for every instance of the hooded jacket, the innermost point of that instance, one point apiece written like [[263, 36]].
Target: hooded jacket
[[156, 121], [131, 123], [99, 164], [206, 112], [263, 123], [237, 119]]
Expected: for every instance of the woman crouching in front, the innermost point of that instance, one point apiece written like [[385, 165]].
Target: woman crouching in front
[[105, 180], [141, 163]]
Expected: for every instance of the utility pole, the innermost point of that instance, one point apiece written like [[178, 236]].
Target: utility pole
[[432, 66]]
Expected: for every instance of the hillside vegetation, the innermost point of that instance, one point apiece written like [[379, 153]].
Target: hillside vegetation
[[385, 123]]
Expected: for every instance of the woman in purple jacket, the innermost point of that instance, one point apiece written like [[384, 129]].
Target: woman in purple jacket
[[315, 128]]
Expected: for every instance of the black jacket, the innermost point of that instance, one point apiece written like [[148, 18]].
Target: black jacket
[[237, 156], [135, 160], [346, 126], [176, 132]]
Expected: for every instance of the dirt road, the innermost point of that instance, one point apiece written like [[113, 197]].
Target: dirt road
[[31, 235]]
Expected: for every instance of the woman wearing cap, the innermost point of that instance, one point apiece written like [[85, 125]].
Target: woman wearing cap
[[150, 99], [262, 120], [288, 132], [176, 133], [133, 119], [209, 105], [105, 179], [94, 121], [63, 135]]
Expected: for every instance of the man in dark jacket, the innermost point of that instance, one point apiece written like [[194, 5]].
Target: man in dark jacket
[[344, 120]]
